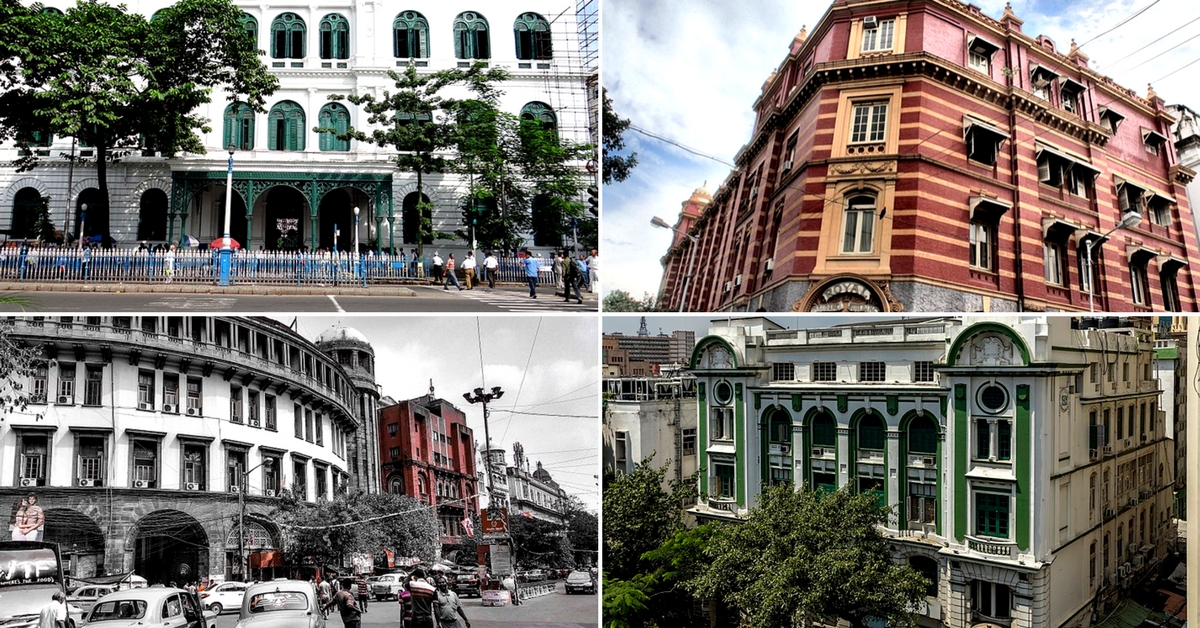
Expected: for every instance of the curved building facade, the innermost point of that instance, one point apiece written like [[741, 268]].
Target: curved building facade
[[144, 432]]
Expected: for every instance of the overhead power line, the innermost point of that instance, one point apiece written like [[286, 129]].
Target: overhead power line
[[680, 146]]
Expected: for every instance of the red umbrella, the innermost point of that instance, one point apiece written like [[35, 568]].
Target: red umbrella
[[220, 242]]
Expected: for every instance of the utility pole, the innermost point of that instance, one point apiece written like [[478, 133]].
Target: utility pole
[[243, 555]]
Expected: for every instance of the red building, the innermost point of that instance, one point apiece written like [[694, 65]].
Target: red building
[[919, 155], [427, 451]]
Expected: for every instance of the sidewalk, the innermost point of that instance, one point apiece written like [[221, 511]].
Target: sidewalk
[[198, 288]]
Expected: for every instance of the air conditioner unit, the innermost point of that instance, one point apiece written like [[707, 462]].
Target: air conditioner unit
[[87, 482], [1126, 442], [269, 493], [818, 453], [928, 461], [1108, 450], [1108, 513], [1125, 570], [191, 486], [145, 406], [728, 286], [170, 408], [1133, 501], [769, 265], [1093, 454], [64, 399], [37, 399], [787, 166], [785, 449], [235, 489], [141, 484], [193, 411], [870, 21], [754, 191], [737, 280], [28, 481]]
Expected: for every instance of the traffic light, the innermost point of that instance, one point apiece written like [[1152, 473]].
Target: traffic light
[[594, 200]]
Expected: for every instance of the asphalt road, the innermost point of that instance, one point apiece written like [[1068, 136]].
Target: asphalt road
[[427, 299], [557, 610]]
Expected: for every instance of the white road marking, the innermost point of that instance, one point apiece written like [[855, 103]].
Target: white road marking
[[335, 303], [192, 303]]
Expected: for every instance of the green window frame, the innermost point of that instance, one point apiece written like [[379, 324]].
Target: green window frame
[[541, 113], [287, 37], [335, 37], [824, 431], [410, 36], [239, 126], [922, 435], [779, 429], [471, 36], [285, 127], [991, 514], [250, 25], [725, 481], [334, 116], [1003, 440], [532, 34], [871, 432]]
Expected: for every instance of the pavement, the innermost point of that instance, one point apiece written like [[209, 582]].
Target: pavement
[[253, 299]]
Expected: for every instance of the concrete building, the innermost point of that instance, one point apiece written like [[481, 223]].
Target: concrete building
[[1024, 458], [142, 433], [1171, 371], [534, 493], [644, 354], [292, 186], [923, 156], [428, 452], [646, 416]]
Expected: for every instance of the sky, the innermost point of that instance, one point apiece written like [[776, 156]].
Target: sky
[[545, 365], [692, 76]]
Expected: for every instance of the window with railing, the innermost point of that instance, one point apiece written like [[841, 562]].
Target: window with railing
[[922, 371], [872, 371], [66, 383], [145, 389], [270, 412], [824, 371], [235, 404], [38, 384], [94, 391], [991, 600], [783, 371], [252, 408]]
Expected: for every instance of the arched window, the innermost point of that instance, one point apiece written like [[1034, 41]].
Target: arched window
[[532, 33], [412, 225], [24, 213], [285, 128], [287, 37], [250, 25], [547, 221], [410, 36], [239, 126], [471, 36], [858, 233], [397, 486], [421, 488], [152, 215], [927, 567], [335, 37], [158, 15], [922, 435], [824, 431], [779, 428], [870, 432], [541, 113], [334, 116], [52, 11]]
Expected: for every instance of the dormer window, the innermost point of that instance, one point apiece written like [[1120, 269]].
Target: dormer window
[[1110, 120], [1153, 140], [1041, 80], [979, 54]]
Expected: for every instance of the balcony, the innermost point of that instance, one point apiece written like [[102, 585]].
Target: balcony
[[726, 505], [992, 547]]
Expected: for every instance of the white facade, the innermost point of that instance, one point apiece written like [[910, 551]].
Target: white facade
[[651, 416]]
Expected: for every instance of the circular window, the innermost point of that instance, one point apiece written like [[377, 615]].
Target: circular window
[[993, 398], [723, 393]]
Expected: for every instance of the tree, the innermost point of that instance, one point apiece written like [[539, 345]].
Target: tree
[[18, 362], [419, 123], [640, 515], [538, 543], [328, 531], [583, 532], [803, 557], [116, 80], [620, 301], [616, 167], [43, 224]]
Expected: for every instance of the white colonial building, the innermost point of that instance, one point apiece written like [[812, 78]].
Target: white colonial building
[[646, 416], [294, 186]]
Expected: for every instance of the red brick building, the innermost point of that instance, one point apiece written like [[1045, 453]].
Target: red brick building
[[922, 156], [427, 451]]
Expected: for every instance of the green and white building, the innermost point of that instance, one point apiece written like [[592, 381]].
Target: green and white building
[[1024, 460]]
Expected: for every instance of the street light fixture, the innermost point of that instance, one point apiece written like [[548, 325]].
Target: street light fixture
[[357, 262], [242, 553], [687, 280], [1129, 220], [226, 253], [82, 220]]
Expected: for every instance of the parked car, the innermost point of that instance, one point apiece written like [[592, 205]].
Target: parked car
[[535, 575], [155, 606], [387, 586], [85, 597], [467, 584], [226, 596], [580, 582], [281, 604]]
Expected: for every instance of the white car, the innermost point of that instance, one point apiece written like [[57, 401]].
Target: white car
[[154, 606], [226, 596], [281, 604], [386, 586], [85, 597]]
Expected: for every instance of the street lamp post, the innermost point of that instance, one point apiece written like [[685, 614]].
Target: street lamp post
[[357, 261], [484, 397], [243, 555], [82, 221], [1130, 219], [695, 241], [226, 254]]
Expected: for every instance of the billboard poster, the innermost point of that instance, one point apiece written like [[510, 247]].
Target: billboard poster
[[27, 519], [494, 521], [502, 559]]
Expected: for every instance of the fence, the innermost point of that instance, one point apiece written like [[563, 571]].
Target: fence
[[63, 265], [529, 591]]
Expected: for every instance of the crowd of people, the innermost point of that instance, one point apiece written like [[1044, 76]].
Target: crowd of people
[[424, 602]]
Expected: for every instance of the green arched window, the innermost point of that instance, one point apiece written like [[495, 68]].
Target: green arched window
[[824, 431], [779, 428], [335, 37], [870, 432], [922, 435], [471, 36], [532, 33], [51, 11], [285, 129], [287, 37], [250, 25], [334, 116], [410, 36], [239, 126], [157, 15], [541, 113]]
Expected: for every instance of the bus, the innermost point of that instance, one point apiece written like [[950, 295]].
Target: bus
[[30, 573]]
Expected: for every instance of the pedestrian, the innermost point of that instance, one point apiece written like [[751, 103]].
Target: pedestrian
[[324, 592], [436, 270], [416, 264], [169, 263], [404, 599], [469, 269], [336, 585], [363, 593], [449, 608], [510, 585], [557, 270], [571, 278], [351, 615], [54, 614], [492, 265], [424, 600], [531, 274], [593, 264], [451, 276]]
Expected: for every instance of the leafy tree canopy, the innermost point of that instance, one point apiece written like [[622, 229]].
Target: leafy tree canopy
[[616, 167], [640, 515], [620, 301], [328, 531]]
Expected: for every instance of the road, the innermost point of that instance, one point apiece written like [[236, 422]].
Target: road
[[557, 610], [427, 299]]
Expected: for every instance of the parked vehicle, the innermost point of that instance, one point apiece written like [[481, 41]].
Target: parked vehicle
[[580, 582], [281, 604], [535, 575], [467, 584], [226, 596], [32, 575], [387, 586], [85, 597], [154, 606]]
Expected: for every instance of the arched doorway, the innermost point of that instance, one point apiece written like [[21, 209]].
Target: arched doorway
[[287, 213], [337, 213], [412, 221], [95, 221], [260, 552], [24, 214], [152, 215], [170, 545], [547, 221], [80, 540]]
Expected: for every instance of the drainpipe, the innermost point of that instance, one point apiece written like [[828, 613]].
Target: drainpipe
[[1019, 270]]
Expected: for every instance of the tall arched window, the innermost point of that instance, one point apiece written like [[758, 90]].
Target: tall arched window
[[26, 204], [239, 126], [824, 431], [334, 116], [335, 37], [927, 567], [532, 33], [411, 219], [922, 435], [250, 25], [287, 37], [152, 215], [471, 36], [858, 233], [410, 36], [870, 471], [285, 128], [870, 432], [541, 113]]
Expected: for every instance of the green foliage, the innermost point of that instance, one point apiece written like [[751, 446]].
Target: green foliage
[[626, 603], [616, 167], [620, 301], [397, 522], [583, 533], [538, 543], [804, 557], [640, 515], [43, 224], [18, 362]]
